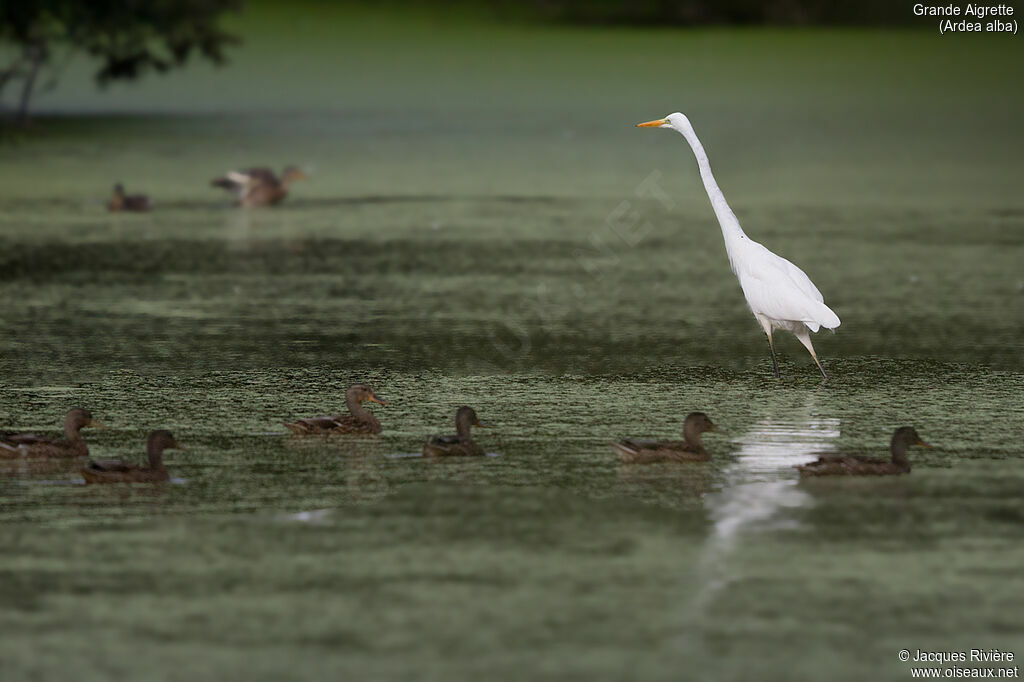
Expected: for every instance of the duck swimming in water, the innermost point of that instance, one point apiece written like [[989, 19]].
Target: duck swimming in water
[[113, 471], [259, 186], [73, 445], [690, 449], [358, 420], [461, 444], [855, 465], [138, 203]]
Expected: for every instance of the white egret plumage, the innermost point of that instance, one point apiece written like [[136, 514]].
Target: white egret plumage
[[780, 294]]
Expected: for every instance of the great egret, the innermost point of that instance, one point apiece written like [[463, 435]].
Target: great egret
[[779, 294]]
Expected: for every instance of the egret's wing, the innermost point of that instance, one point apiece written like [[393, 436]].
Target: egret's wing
[[801, 279], [779, 290], [779, 298], [759, 252]]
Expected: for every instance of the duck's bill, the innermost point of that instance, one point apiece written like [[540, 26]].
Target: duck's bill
[[96, 424], [924, 445], [179, 446], [652, 124], [378, 399], [480, 423]]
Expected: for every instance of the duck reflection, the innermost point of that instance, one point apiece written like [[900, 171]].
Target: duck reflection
[[666, 483], [34, 468]]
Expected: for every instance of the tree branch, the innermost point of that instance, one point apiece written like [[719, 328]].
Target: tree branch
[[10, 72], [36, 54]]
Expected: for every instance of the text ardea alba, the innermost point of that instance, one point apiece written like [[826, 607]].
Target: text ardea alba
[[779, 294]]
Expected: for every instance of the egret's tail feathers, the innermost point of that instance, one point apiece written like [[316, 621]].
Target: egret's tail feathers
[[830, 320], [823, 317]]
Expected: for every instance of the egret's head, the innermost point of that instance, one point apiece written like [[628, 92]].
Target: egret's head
[[676, 121]]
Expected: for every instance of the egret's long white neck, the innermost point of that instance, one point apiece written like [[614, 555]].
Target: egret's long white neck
[[731, 230]]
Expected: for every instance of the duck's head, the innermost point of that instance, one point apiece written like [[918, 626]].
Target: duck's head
[[907, 435], [293, 173], [79, 418], [362, 392], [467, 415], [118, 190], [698, 422], [162, 440]]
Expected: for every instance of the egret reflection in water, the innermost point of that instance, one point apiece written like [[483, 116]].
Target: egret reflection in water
[[759, 486]]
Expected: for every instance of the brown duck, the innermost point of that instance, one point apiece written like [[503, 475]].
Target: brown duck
[[854, 465], [128, 202], [461, 444], [113, 471], [690, 449], [73, 445], [358, 420], [259, 186]]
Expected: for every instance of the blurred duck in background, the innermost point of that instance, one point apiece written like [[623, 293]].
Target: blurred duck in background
[[139, 203], [259, 186]]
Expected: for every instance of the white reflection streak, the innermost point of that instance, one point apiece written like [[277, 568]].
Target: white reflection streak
[[314, 516], [754, 493]]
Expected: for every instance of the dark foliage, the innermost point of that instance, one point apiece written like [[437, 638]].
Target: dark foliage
[[703, 12], [129, 37]]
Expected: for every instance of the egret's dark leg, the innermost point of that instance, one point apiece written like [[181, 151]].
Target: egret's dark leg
[[775, 362], [766, 325], [824, 374], [805, 338]]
